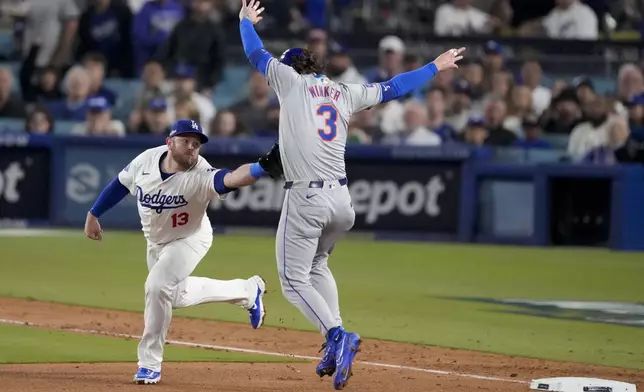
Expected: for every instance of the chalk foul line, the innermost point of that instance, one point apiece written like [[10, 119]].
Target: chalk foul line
[[269, 353]]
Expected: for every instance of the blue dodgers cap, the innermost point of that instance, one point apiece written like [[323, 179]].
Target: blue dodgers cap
[[157, 104], [636, 100], [463, 87], [183, 70], [183, 127], [475, 121], [98, 103], [493, 47], [583, 81], [337, 49], [289, 55]]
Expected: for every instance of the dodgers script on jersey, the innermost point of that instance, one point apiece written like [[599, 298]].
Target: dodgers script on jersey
[[175, 207], [314, 129]]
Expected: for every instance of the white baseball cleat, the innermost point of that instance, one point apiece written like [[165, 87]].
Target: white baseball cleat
[[258, 311]]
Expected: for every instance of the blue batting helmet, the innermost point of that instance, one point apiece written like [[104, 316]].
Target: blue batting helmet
[[290, 55]]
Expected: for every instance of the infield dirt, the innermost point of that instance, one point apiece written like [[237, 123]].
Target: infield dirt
[[285, 377]]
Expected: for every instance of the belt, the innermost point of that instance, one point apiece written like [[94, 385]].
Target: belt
[[315, 184]]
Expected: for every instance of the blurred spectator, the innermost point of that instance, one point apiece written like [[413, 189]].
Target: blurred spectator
[[94, 64], [412, 62], [199, 42], [585, 89], [570, 19], [155, 119], [493, 60], [436, 122], [532, 134], [593, 132], [501, 84], [458, 17], [630, 82], [98, 120], [460, 107], [186, 109], [38, 85], [271, 121], [416, 132], [502, 10], [629, 13], [565, 113], [340, 68], [52, 24], [363, 128], [391, 117], [10, 105], [636, 116], [475, 133], [252, 111], [185, 86], [618, 134], [225, 124], [155, 84], [318, 44], [557, 87], [531, 75], [519, 107], [494, 114], [152, 26], [105, 27], [445, 80], [74, 105], [391, 52], [39, 121], [473, 74]]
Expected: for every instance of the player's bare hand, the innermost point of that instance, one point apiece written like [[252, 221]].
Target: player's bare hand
[[252, 11], [93, 229], [449, 59]]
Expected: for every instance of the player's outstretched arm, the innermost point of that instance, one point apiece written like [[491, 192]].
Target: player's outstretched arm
[[404, 83], [247, 174], [243, 176], [253, 46], [113, 193]]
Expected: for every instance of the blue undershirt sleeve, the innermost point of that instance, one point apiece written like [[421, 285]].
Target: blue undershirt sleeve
[[220, 187], [253, 46], [113, 193], [404, 83]]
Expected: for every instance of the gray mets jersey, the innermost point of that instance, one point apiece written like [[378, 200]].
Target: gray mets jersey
[[317, 209], [314, 120]]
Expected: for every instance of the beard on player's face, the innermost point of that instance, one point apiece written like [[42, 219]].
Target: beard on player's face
[[185, 151]]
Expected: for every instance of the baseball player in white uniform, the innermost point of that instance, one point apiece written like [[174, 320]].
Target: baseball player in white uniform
[[173, 185], [317, 209]]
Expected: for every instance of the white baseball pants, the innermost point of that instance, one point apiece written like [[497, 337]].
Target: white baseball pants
[[169, 285]]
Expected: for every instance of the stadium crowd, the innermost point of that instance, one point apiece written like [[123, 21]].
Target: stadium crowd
[[176, 48]]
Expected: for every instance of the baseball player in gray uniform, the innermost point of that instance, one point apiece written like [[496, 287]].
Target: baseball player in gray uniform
[[317, 209]]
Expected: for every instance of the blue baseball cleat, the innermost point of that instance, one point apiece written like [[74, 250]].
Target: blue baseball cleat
[[258, 311], [346, 349], [147, 376], [326, 367]]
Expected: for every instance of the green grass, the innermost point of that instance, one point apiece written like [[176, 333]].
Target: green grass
[[392, 291], [20, 344]]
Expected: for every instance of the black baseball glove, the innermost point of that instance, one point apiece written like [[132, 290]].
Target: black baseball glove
[[272, 162]]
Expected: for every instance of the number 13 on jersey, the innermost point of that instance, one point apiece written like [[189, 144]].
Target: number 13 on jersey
[[330, 115]]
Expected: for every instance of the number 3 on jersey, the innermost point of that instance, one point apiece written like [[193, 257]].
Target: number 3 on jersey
[[330, 115], [180, 219]]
